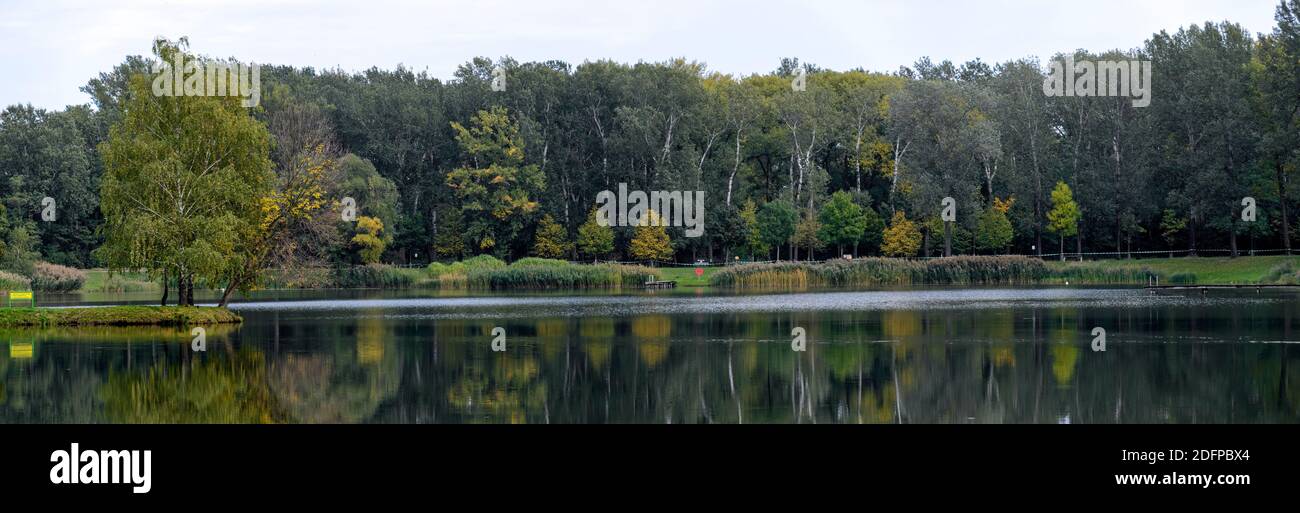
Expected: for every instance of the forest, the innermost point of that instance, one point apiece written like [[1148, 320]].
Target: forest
[[851, 162]]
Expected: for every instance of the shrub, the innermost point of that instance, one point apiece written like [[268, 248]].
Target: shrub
[[47, 277]]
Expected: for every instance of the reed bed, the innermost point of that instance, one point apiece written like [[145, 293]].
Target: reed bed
[[12, 281], [47, 277], [373, 276], [877, 272], [1098, 274], [547, 275]]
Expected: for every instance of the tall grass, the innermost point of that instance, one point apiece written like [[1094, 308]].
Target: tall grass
[[484, 272], [550, 275], [1091, 273], [868, 272], [372, 276], [47, 277], [11, 281]]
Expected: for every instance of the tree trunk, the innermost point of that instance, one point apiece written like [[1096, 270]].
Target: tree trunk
[[947, 238], [225, 295], [1282, 199], [165, 289]]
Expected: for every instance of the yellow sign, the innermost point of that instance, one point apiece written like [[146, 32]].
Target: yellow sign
[[20, 350], [20, 295]]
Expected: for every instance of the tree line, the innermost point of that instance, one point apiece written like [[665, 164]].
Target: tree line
[[851, 162]]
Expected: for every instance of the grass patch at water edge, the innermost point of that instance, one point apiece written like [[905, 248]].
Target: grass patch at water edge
[[117, 316]]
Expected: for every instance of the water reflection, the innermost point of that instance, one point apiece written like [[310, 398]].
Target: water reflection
[[1007, 356]]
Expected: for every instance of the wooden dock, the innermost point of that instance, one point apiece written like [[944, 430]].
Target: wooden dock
[[661, 284]]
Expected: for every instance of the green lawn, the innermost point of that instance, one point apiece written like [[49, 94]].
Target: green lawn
[[685, 276], [1208, 270], [96, 279]]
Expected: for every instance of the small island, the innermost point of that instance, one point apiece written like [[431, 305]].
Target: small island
[[130, 315]]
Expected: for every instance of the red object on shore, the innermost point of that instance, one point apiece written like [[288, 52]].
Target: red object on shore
[[699, 271]]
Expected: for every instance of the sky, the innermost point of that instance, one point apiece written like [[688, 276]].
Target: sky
[[50, 48]]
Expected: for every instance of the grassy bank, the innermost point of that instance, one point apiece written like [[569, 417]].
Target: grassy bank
[[117, 316]]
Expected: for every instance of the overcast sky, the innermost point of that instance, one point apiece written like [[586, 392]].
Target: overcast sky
[[49, 48]]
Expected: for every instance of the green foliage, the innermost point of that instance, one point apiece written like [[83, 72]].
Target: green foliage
[[805, 236], [552, 241], [753, 237], [184, 183], [1063, 219], [450, 239], [994, 232], [117, 316], [19, 254], [874, 272], [568, 276], [1171, 225], [1182, 279], [872, 233], [776, 223], [496, 193], [595, 241], [842, 221], [482, 262], [533, 261], [373, 276]]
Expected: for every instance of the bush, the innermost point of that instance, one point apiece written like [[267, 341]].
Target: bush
[[11, 281], [372, 276], [47, 277]]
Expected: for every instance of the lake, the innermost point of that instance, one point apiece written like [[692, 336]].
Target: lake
[[682, 356]]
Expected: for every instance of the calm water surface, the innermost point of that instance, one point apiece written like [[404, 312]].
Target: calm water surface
[[919, 356]]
